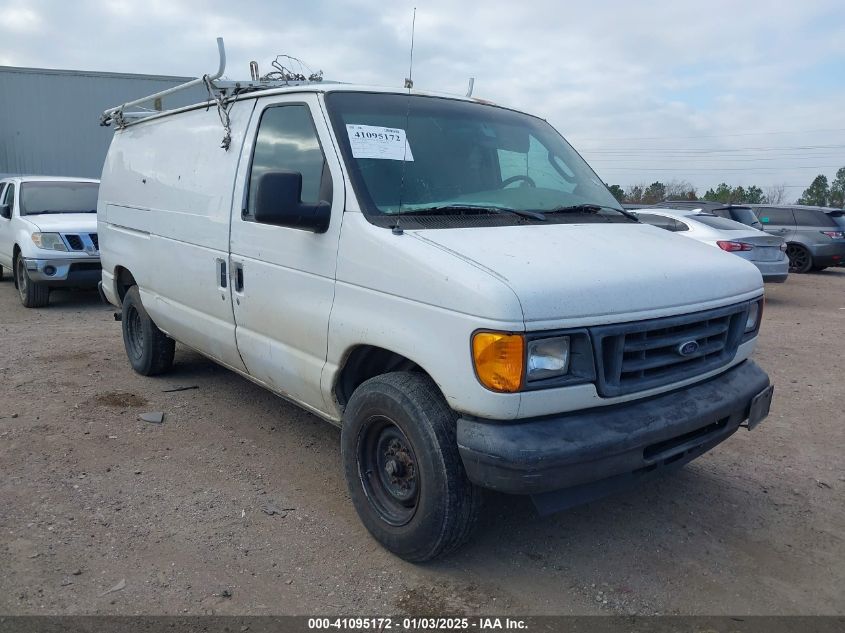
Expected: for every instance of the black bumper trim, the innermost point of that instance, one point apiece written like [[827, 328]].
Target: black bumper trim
[[620, 442]]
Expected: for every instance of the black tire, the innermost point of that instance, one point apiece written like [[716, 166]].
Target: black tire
[[150, 351], [403, 469], [1, 273], [32, 293], [800, 260]]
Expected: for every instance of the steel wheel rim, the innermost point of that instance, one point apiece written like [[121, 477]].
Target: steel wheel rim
[[388, 470], [22, 278], [134, 334], [798, 258]]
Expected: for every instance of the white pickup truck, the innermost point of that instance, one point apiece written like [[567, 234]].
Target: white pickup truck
[[48, 235], [445, 279]]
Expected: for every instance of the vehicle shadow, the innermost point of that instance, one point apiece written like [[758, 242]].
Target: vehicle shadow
[[61, 298], [833, 271]]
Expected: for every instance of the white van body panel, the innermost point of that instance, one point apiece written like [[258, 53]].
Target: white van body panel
[[406, 295], [282, 315], [573, 275], [164, 211]]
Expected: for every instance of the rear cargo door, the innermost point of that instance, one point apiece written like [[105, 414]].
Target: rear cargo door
[[283, 278]]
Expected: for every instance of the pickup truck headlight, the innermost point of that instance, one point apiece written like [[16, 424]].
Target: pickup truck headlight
[[49, 241]]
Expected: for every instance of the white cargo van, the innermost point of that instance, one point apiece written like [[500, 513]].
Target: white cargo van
[[445, 279]]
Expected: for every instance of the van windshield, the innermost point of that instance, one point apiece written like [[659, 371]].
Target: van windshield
[[413, 153], [58, 197]]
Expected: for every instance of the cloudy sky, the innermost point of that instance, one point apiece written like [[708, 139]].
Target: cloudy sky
[[742, 91]]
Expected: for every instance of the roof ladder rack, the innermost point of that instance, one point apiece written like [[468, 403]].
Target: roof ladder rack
[[119, 116]]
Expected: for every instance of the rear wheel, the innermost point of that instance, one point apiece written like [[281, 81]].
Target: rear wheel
[[32, 294], [150, 351], [403, 469], [800, 260]]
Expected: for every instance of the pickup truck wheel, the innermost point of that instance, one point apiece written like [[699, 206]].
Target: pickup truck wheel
[[150, 351], [800, 260], [403, 469], [33, 294]]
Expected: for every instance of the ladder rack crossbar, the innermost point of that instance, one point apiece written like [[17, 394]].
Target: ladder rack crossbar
[[115, 113]]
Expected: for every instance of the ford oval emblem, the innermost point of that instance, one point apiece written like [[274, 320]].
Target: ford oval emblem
[[688, 348]]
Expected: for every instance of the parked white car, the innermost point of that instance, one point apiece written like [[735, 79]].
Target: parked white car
[[48, 235], [767, 252], [445, 279]]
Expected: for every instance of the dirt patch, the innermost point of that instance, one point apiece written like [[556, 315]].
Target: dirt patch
[[119, 399], [78, 355], [436, 600]]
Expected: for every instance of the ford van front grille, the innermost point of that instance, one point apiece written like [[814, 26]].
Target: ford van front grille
[[648, 354], [95, 240]]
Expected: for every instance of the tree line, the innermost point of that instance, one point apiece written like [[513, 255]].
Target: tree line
[[820, 193]]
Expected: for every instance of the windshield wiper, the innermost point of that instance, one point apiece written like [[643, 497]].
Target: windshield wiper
[[452, 209], [591, 208]]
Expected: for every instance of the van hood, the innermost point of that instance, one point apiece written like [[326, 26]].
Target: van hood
[[601, 272], [64, 222]]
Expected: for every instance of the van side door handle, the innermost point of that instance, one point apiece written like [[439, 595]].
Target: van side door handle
[[222, 274], [239, 277]]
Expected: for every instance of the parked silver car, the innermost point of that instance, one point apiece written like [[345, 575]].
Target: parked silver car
[[767, 252]]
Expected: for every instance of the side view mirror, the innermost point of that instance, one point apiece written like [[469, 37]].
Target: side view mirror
[[279, 201], [5, 211]]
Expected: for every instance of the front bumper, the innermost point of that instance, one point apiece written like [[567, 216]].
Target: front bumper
[[594, 452], [830, 254], [80, 272]]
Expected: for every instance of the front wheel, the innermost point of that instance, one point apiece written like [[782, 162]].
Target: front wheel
[[150, 351], [403, 469], [800, 260], [32, 294]]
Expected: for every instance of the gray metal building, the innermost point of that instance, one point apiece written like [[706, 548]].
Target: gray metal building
[[49, 119]]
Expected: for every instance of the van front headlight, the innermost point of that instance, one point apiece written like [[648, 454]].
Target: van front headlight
[[752, 318], [509, 362], [49, 241], [547, 358]]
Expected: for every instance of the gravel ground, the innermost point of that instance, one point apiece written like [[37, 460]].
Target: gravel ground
[[103, 513]]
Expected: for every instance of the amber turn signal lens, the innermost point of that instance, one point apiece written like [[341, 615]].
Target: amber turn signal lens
[[499, 360]]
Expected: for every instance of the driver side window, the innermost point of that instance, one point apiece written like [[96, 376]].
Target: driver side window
[[287, 140]]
